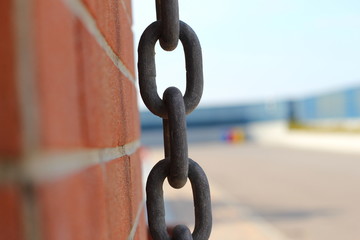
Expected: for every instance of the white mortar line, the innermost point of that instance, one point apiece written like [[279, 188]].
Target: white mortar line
[[25, 75], [51, 165], [23, 19], [108, 154], [136, 222], [80, 10]]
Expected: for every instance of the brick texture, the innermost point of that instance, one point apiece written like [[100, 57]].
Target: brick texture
[[131, 114], [85, 103], [11, 225], [74, 207], [98, 203], [108, 98], [112, 17], [57, 75], [137, 195], [119, 198], [85, 100], [142, 232], [136, 181], [10, 135]]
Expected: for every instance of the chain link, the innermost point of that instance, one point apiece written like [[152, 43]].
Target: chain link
[[147, 70], [155, 201], [178, 152], [173, 108], [167, 12]]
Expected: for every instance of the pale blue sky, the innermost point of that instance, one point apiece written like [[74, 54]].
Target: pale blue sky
[[263, 49]]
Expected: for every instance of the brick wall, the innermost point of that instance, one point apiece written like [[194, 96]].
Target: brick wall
[[69, 126]]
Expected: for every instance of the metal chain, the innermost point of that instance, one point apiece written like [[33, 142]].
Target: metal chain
[[178, 149], [168, 13], [147, 70], [173, 108]]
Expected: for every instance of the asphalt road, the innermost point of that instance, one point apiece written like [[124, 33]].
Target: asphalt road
[[306, 195]]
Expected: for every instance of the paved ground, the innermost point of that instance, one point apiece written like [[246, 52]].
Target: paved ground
[[275, 193]]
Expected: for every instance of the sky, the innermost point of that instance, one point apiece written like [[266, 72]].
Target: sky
[[260, 50]]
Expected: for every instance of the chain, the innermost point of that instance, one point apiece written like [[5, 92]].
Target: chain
[[177, 167]]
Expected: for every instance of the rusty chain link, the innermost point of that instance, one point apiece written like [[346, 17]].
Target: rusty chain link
[[178, 149], [167, 12], [173, 108], [147, 70], [155, 201]]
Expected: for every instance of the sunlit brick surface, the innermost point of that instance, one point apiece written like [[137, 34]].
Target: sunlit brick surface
[[11, 226], [82, 181], [9, 115]]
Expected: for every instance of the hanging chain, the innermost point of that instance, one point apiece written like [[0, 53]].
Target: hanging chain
[[177, 167]]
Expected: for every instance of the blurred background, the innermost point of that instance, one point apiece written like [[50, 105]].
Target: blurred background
[[277, 130]]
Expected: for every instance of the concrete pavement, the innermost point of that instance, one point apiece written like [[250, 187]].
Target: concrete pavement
[[274, 193], [231, 220]]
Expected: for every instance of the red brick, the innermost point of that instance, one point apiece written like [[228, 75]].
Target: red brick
[[57, 73], [108, 98], [136, 181], [101, 99], [84, 99], [137, 195], [11, 222], [131, 112], [141, 231], [114, 24], [97, 203], [74, 207], [118, 198], [127, 8], [10, 135]]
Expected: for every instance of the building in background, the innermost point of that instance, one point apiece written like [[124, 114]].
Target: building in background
[[337, 111]]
